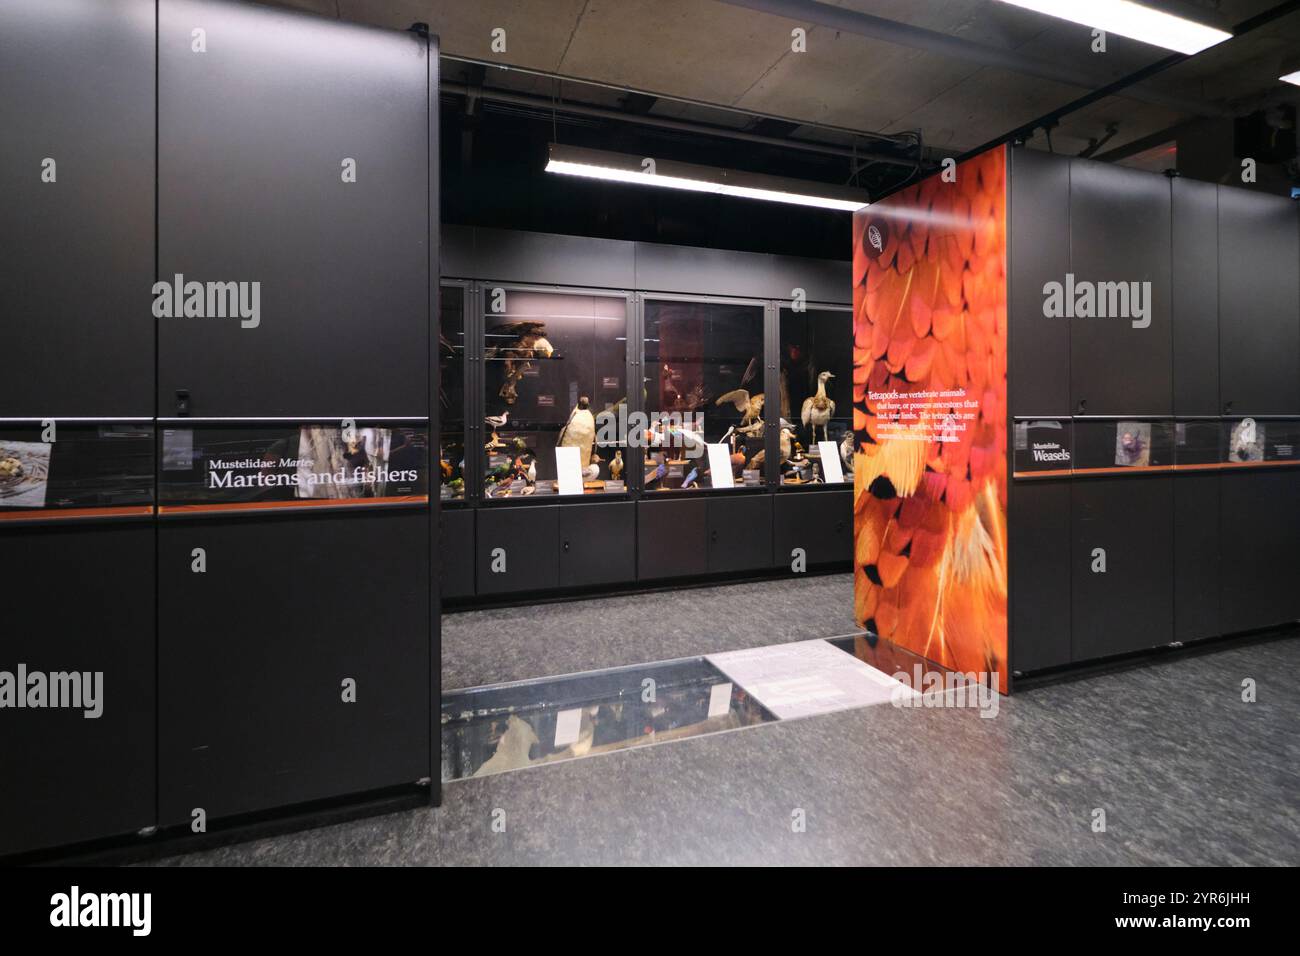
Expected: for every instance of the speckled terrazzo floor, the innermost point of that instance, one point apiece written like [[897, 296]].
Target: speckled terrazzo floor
[[1186, 772], [518, 643]]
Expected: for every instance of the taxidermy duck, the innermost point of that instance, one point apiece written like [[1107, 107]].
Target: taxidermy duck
[[616, 466], [580, 430], [749, 406], [529, 343], [818, 409]]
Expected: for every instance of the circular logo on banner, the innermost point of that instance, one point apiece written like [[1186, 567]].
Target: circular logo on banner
[[874, 238]]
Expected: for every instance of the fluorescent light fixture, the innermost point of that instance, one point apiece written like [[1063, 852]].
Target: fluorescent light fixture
[[623, 168], [1291, 78], [1132, 20]]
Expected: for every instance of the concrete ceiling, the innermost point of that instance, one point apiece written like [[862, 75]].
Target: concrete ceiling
[[723, 54]]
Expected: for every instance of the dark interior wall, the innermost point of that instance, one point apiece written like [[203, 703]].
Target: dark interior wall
[[1188, 553], [493, 163], [246, 665]]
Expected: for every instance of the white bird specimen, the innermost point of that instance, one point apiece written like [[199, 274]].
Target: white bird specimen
[[818, 409], [497, 421], [580, 430], [532, 472]]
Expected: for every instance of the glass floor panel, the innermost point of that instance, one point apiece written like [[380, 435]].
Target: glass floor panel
[[502, 727]]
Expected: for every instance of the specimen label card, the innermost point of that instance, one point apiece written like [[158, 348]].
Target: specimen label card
[[831, 469], [720, 699], [568, 468], [568, 724], [720, 466]]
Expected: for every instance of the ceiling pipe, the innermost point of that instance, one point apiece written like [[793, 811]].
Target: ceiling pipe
[[951, 47]]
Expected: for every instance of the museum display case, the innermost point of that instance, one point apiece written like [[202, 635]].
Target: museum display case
[[554, 371], [630, 378], [816, 377], [451, 392], [704, 389]]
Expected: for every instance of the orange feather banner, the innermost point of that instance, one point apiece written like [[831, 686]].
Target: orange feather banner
[[930, 417]]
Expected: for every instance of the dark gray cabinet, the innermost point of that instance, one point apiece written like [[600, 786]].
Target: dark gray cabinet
[[1259, 303], [83, 602], [596, 544], [254, 652], [77, 176], [1259, 532], [1120, 222], [1039, 236], [1039, 575], [819, 522], [1127, 523], [456, 551], [1195, 297], [672, 538], [255, 138], [516, 549], [1196, 556], [740, 533]]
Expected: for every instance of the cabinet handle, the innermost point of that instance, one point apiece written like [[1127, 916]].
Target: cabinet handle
[[566, 546]]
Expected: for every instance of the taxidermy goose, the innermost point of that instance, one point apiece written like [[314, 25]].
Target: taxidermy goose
[[750, 407], [580, 430], [818, 409]]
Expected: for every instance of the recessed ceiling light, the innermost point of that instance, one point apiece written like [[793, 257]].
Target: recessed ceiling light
[[623, 168], [1132, 20], [1291, 78]]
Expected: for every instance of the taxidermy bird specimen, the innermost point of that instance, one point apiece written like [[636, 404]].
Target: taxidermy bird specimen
[[846, 452], [591, 472], [616, 466], [531, 473], [818, 409], [750, 407], [580, 430], [529, 343], [497, 421]]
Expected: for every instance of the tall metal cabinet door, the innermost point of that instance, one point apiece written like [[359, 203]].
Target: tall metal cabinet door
[[255, 651], [1196, 556], [740, 533], [1122, 580], [517, 549], [672, 538], [1260, 527], [1039, 542], [293, 152], [1120, 221], [82, 603], [77, 177], [819, 523], [597, 544], [1259, 303], [1196, 297], [1039, 237]]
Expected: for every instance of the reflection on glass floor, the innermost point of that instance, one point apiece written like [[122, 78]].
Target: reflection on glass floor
[[488, 730]]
